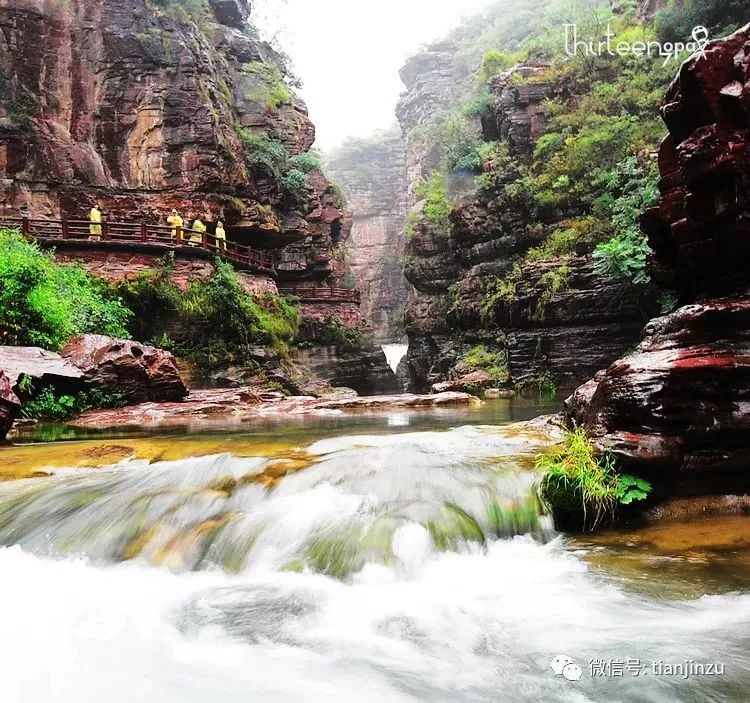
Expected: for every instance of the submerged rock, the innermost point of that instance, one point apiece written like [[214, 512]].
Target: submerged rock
[[138, 371]]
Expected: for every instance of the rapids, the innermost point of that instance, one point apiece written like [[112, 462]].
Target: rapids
[[411, 562]]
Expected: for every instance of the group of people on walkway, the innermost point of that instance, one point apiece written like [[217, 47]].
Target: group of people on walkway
[[174, 220]]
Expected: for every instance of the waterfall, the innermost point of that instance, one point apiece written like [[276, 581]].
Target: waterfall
[[394, 353]]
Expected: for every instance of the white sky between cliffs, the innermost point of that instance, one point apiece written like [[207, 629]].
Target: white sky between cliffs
[[348, 54]]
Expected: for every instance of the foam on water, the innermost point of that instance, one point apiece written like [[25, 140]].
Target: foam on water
[[455, 627]]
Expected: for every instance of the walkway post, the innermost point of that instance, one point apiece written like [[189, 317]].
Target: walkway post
[[25, 229]]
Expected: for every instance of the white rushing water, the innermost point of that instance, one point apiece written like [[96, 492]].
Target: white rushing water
[[394, 353], [476, 621]]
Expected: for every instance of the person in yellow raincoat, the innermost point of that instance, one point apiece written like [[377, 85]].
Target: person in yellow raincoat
[[95, 217], [221, 236], [174, 220], [196, 236]]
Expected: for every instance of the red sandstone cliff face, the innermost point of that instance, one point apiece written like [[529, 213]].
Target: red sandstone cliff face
[[678, 409], [131, 104]]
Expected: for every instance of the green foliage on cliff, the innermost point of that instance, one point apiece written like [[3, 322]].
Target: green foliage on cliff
[[331, 332], [720, 17], [45, 304], [552, 282], [581, 488], [494, 363], [269, 89], [270, 155], [628, 190], [592, 171], [216, 316], [437, 207], [294, 181], [183, 11]]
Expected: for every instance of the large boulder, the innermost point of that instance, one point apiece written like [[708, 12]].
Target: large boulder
[[140, 372], [42, 367], [678, 408], [10, 405]]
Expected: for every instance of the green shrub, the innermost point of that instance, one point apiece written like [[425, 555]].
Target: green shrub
[[261, 150], [49, 405], [495, 62], [306, 162], [677, 20], [331, 332], [494, 363], [44, 304], [437, 207], [628, 190], [294, 181], [270, 87], [216, 315], [584, 490]]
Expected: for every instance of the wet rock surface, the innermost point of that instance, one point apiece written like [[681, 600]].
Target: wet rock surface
[[243, 404], [139, 372]]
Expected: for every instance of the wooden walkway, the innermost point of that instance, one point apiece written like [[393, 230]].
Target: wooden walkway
[[143, 233], [322, 294], [175, 238]]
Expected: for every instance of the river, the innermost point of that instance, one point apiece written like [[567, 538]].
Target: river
[[397, 556]]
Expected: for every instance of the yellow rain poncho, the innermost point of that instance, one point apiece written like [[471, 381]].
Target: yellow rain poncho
[[196, 237], [175, 221], [95, 230]]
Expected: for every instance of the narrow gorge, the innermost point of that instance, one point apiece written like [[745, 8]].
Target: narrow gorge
[[391, 352]]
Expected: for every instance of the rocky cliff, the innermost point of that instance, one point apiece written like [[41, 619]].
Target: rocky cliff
[[553, 321], [145, 105], [677, 410], [372, 174]]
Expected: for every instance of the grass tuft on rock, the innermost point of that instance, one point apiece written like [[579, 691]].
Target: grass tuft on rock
[[584, 491]]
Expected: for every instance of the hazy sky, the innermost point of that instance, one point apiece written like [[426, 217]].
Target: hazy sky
[[347, 54]]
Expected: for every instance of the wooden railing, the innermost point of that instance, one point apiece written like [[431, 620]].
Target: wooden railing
[[141, 232], [322, 294]]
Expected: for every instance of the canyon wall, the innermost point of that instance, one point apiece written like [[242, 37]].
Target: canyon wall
[[562, 321], [677, 410], [147, 105], [372, 174], [141, 106]]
